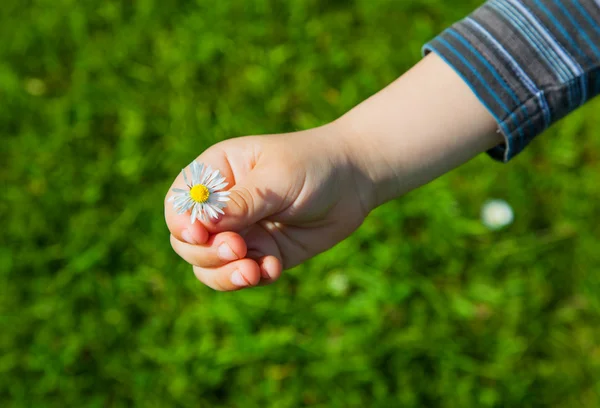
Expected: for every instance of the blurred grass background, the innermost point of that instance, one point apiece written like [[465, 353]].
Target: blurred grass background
[[103, 102]]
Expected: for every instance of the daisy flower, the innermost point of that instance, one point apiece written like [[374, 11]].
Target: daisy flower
[[204, 197]]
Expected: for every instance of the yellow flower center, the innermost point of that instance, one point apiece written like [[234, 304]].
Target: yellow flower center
[[199, 193]]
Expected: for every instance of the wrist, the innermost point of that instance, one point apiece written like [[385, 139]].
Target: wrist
[[343, 147], [375, 179]]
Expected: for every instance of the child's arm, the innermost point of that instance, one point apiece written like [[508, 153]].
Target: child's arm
[[296, 195], [421, 126]]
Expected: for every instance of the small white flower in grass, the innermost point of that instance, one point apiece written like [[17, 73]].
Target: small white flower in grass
[[338, 284], [204, 197], [496, 214]]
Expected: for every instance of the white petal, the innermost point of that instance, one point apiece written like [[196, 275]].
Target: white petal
[[196, 169], [194, 212], [203, 214], [213, 199], [217, 209], [184, 205], [210, 211], [212, 177], [207, 172], [201, 174], [185, 177], [183, 195], [215, 182], [218, 181], [181, 199], [219, 187], [214, 202], [183, 209], [180, 190]]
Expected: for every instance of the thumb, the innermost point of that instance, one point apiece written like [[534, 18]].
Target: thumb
[[249, 202]]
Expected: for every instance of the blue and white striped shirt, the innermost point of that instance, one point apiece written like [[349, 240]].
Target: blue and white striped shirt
[[530, 62]]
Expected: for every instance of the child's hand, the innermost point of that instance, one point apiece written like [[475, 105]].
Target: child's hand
[[292, 197]]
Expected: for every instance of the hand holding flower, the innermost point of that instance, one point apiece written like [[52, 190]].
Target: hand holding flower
[[292, 196]]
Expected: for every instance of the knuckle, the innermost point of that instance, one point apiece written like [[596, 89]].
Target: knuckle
[[243, 199]]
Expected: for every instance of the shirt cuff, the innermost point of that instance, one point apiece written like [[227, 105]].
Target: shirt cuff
[[519, 61]]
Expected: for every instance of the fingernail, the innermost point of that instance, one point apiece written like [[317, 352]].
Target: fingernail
[[264, 273], [237, 279], [226, 253], [186, 234]]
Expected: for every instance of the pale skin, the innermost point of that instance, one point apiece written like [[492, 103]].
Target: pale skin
[[298, 194]]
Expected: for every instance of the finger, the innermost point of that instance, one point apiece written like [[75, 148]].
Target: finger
[[233, 276], [180, 227], [264, 249], [270, 269], [218, 250]]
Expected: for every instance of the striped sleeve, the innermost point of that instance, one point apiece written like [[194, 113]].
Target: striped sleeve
[[530, 62]]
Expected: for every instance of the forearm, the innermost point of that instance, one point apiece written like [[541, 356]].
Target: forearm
[[419, 127]]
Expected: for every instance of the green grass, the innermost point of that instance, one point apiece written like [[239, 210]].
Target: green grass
[[103, 102]]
